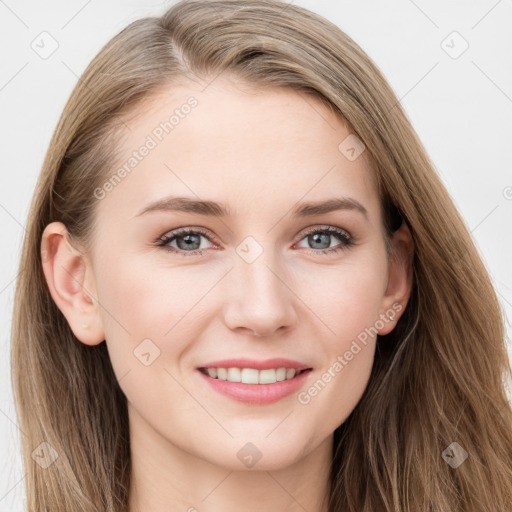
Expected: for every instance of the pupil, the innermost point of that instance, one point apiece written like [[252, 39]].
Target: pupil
[[315, 240], [189, 241]]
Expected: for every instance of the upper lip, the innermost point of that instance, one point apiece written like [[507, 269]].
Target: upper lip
[[266, 364]]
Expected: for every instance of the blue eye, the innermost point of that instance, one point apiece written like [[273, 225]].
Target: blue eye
[[319, 236], [191, 239], [185, 239]]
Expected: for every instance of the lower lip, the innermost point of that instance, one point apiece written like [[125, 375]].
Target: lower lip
[[256, 393]]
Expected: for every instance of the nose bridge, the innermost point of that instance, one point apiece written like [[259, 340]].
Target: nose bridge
[[260, 298]]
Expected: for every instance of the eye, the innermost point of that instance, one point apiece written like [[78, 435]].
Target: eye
[[321, 238], [185, 239]]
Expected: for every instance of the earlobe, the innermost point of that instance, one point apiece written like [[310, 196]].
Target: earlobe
[[400, 275], [66, 271]]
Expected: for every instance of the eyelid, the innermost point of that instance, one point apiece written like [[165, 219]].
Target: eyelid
[[325, 227], [186, 229]]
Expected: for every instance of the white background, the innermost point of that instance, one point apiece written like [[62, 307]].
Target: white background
[[460, 107]]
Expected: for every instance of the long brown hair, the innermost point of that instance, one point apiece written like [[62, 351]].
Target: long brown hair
[[438, 377]]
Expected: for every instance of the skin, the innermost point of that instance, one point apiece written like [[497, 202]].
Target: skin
[[259, 152]]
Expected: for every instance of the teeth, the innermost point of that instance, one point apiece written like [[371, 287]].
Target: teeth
[[267, 377], [234, 375], [281, 374], [251, 375]]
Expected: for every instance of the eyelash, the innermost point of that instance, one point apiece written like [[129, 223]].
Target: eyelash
[[345, 237]]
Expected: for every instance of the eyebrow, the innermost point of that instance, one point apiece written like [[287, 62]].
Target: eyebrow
[[214, 209]]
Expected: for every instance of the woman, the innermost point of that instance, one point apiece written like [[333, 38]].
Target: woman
[[271, 367]]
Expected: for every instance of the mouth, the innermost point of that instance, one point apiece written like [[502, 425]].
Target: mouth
[[253, 381], [253, 376]]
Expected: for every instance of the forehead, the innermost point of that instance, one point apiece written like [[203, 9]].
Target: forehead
[[247, 147]]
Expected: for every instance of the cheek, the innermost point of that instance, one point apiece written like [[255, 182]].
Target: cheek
[[138, 307], [346, 299], [143, 297], [150, 310], [338, 387]]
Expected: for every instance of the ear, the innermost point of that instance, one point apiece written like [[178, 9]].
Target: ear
[[71, 284], [400, 272]]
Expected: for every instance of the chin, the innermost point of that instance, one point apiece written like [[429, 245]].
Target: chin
[[258, 455]]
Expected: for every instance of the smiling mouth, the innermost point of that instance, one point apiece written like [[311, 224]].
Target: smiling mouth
[[252, 375]]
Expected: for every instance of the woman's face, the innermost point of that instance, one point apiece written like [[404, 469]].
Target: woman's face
[[268, 282]]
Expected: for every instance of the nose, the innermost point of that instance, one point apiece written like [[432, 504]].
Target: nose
[[260, 298]]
